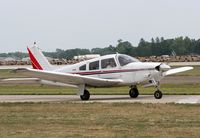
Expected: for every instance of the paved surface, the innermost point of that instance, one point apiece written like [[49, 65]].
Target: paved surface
[[190, 99]]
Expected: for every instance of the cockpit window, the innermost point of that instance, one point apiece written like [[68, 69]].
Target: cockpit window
[[124, 60]]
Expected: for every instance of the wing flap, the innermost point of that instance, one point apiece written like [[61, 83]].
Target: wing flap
[[68, 78]]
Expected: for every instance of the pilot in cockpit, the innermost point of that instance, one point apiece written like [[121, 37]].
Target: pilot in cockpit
[[110, 64]]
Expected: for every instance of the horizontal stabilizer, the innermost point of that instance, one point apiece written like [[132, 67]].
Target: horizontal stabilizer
[[176, 70], [33, 81], [20, 79]]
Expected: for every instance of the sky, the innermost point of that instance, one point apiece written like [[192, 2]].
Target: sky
[[67, 24]]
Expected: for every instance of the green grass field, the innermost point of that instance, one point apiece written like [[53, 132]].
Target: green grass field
[[61, 120], [7, 73], [42, 90]]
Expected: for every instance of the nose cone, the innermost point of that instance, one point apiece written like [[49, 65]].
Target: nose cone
[[164, 67]]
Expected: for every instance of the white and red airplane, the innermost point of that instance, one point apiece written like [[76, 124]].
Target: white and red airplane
[[105, 71]]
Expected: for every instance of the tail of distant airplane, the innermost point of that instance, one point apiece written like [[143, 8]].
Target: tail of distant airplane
[[38, 60]]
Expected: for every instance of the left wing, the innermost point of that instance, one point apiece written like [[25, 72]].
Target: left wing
[[68, 78]]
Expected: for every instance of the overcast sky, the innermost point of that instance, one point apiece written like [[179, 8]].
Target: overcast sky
[[67, 24]]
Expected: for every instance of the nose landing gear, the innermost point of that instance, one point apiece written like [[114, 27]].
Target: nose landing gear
[[158, 94]]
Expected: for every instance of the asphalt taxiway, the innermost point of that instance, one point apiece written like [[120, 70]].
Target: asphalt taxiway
[[181, 99]]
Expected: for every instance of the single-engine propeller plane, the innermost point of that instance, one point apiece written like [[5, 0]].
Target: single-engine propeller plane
[[105, 71]]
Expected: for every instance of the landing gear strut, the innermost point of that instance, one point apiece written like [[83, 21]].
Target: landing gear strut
[[158, 94], [133, 92], [85, 96]]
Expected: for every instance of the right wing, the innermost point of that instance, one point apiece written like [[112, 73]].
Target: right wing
[[68, 78], [176, 70]]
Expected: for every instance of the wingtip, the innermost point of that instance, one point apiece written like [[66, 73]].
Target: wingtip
[[189, 67]]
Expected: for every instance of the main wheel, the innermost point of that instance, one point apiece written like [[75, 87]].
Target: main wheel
[[85, 96], [158, 94], [133, 93]]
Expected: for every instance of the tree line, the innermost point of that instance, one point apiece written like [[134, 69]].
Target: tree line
[[157, 47]]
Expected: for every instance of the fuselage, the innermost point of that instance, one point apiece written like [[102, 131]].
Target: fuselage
[[116, 66]]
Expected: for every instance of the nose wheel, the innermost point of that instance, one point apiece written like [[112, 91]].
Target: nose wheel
[[133, 92], [158, 94], [85, 96]]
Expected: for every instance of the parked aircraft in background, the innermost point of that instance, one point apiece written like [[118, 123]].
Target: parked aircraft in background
[[105, 71]]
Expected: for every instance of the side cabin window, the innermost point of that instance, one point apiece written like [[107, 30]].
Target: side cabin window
[[94, 65], [83, 67], [108, 63]]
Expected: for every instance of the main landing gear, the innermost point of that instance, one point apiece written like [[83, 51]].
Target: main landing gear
[[133, 92], [85, 96]]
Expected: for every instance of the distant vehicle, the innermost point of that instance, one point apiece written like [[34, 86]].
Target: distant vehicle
[[105, 71]]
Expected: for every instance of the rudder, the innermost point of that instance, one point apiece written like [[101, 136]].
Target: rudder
[[38, 60]]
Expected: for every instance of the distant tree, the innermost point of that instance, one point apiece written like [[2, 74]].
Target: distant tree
[[157, 40], [125, 48], [119, 41], [152, 40], [157, 46], [142, 42], [162, 39]]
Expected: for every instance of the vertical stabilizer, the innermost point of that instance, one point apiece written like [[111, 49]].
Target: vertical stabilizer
[[38, 60]]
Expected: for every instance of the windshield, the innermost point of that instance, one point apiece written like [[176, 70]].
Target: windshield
[[125, 59]]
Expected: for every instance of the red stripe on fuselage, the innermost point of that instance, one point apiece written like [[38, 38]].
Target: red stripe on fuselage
[[110, 71], [34, 62]]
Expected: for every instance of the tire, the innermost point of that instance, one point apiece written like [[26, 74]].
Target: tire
[[133, 93], [158, 94], [85, 96]]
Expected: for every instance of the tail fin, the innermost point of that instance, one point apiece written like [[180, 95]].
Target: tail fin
[[38, 60]]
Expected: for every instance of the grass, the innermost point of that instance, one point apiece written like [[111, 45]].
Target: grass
[[98, 120], [42, 89], [7, 73]]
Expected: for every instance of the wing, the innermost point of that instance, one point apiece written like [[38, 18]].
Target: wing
[[176, 70], [68, 78]]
